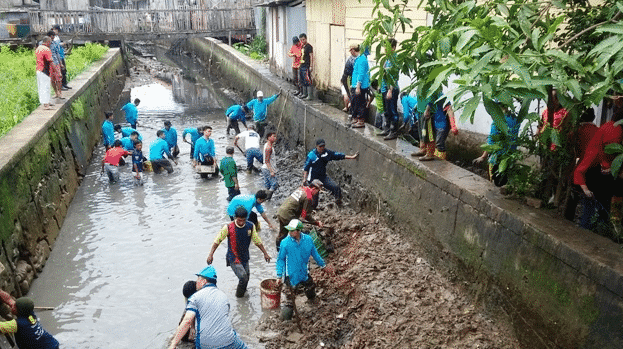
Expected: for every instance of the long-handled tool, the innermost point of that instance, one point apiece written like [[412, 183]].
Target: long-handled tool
[[292, 298]]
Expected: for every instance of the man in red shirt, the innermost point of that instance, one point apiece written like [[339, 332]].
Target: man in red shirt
[[111, 160], [295, 52], [44, 64], [593, 172]]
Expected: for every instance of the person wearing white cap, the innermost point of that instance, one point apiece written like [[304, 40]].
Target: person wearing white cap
[[259, 106], [210, 307]]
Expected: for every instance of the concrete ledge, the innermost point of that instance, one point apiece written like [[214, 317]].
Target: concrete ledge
[[42, 160], [561, 285]]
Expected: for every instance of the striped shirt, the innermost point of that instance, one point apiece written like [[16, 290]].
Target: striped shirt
[[211, 308]]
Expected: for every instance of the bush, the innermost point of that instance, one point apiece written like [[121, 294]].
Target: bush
[[256, 50], [18, 96]]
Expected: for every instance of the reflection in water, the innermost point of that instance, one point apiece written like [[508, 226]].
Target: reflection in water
[[116, 272]]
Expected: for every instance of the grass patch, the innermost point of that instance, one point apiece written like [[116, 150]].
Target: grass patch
[[18, 96]]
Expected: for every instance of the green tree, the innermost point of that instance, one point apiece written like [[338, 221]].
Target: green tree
[[506, 55]]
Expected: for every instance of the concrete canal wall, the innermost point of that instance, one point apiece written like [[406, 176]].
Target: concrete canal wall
[[561, 286], [42, 161]]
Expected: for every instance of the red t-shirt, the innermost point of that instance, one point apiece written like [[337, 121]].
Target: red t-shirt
[[586, 132], [114, 154], [43, 54], [595, 155], [295, 51]]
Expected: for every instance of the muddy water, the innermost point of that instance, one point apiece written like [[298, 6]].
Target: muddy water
[[115, 275]]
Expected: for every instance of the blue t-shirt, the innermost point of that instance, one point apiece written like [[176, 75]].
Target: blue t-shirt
[[361, 72], [259, 108], [131, 113], [211, 308], [158, 148], [194, 134], [409, 108], [138, 159], [388, 64], [170, 136], [127, 132], [30, 334], [247, 201], [294, 256], [235, 112], [316, 164], [108, 133], [127, 143], [203, 148]]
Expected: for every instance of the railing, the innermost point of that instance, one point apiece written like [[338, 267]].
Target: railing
[[116, 23]]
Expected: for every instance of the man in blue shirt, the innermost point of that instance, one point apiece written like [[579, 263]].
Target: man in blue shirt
[[127, 132], [294, 253], [234, 114], [131, 113], [316, 167], [170, 135], [259, 106], [195, 134], [108, 131], [205, 153], [249, 202], [157, 150], [359, 88]]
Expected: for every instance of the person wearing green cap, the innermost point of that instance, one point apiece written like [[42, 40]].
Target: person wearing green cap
[[294, 253], [27, 330], [209, 306]]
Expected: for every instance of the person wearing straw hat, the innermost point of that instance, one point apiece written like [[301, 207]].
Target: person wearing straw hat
[[210, 307], [299, 205], [27, 328], [239, 234], [294, 253]]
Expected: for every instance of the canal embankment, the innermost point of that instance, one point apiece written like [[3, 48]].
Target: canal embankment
[[561, 285], [42, 162]]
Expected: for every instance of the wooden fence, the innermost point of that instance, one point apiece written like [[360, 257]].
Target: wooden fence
[[113, 24]]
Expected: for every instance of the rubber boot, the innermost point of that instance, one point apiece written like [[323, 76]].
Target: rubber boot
[[286, 312], [310, 93], [303, 95], [393, 132], [240, 291]]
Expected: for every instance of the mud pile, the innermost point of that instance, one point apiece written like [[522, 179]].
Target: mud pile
[[381, 294]]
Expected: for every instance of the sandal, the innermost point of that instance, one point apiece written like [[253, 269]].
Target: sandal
[[359, 125]]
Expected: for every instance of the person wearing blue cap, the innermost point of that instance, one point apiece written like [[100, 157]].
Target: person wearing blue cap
[[209, 306], [294, 253], [239, 234]]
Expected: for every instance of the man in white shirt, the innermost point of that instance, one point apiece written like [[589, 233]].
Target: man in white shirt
[[251, 146]]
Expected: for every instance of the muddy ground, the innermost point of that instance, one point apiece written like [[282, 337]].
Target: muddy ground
[[382, 294]]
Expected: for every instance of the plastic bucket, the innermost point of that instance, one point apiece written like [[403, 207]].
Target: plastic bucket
[[270, 294], [318, 243], [147, 166]]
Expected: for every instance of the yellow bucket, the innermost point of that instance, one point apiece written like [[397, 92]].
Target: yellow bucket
[[147, 166]]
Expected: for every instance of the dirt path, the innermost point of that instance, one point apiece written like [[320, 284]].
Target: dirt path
[[382, 295]]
